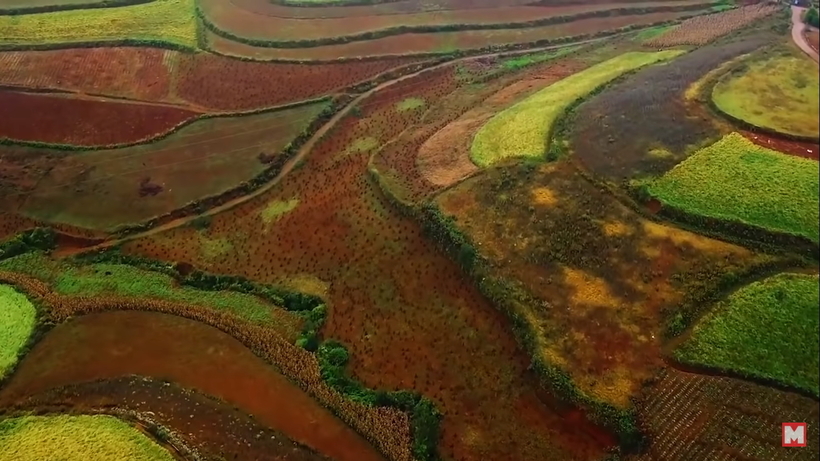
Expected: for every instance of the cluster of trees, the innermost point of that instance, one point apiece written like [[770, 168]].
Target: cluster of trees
[[812, 17]]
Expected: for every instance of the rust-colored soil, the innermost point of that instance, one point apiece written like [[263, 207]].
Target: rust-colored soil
[[200, 421], [407, 313], [89, 121], [692, 417], [813, 37], [444, 159], [438, 42], [205, 158], [136, 73], [796, 148], [603, 280], [117, 344], [233, 19]]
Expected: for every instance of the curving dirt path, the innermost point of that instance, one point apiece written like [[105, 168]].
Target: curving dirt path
[[799, 38], [306, 148]]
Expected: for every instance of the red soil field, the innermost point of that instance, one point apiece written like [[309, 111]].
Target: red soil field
[[269, 8], [202, 159], [198, 419], [229, 84], [230, 18], [61, 119], [135, 73], [117, 344], [407, 313], [796, 148], [438, 42], [692, 417], [813, 37]]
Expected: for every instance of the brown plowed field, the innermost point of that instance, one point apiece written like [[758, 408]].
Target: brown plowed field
[[228, 17], [604, 280], [390, 7], [118, 344], [693, 417], [813, 37], [607, 137], [796, 148], [135, 73], [705, 29], [62, 119], [407, 313], [437, 42], [198, 419], [229, 84], [140, 182]]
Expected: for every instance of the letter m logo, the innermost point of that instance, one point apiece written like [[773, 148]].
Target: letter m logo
[[794, 434]]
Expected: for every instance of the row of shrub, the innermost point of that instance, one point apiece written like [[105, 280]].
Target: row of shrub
[[38, 239], [398, 30], [332, 355], [125, 42]]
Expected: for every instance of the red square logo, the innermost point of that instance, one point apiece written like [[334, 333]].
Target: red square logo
[[794, 434]]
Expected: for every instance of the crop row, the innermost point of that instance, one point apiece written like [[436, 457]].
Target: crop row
[[406, 314], [701, 30], [266, 31]]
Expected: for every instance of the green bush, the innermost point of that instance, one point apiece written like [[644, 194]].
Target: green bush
[[812, 17]]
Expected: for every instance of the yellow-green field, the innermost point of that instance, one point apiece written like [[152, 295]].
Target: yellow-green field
[[781, 94], [737, 180], [75, 438], [170, 21], [17, 318], [522, 130]]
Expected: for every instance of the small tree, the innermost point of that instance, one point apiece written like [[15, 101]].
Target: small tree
[[812, 17]]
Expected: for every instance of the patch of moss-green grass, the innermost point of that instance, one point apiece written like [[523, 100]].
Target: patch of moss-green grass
[[523, 130], [780, 94], [278, 208], [520, 62], [652, 32], [67, 278], [76, 438], [410, 104], [739, 181], [17, 320], [768, 329]]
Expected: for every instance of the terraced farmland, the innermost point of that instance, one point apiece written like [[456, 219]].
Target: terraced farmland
[[405, 230]]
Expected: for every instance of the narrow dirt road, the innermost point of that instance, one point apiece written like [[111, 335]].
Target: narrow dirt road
[[797, 33]]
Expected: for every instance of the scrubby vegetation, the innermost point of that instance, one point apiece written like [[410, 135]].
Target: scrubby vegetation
[[80, 438], [738, 181], [767, 330], [17, 320], [522, 130]]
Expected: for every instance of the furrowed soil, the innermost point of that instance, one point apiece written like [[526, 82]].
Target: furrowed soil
[[437, 42], [86, 121], [117, 344], [796, 148], [198, 419], [407, 313], [227, 84], [135, 73], [205, 158], [228, 17], [598, 281], [693, 417], [609, 142]]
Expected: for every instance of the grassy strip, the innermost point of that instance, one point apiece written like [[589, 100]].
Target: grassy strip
[[737, 181], [86, 438], [70, 6], [769, 329], [332, 356], [522, 130], [309, 43], [171, 21], [326, 100], [18, 317], [747, 94]]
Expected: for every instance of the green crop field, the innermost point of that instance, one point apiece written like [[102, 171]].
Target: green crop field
[[736, 180], [781, 94], [768, 329], [124, 280], [75, 438], [169, 21], [522, 130], [17, 319]]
